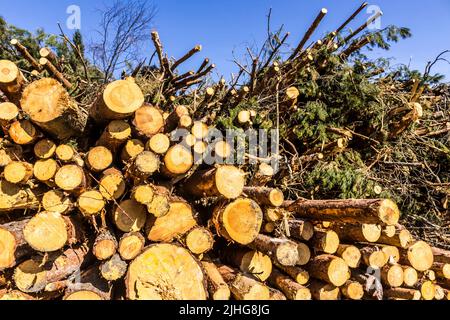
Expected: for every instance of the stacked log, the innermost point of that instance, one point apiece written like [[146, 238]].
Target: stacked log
[[130, 213]]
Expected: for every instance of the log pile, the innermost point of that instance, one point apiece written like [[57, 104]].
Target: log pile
[[103, 204]]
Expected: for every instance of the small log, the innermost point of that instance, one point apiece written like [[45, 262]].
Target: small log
[[65, 153], [249, 262], [18, 172], [71, 178], [392, 276], [129, 216], [119, 100], [427, 289], [91, 203], [441, 255], [26, 54], [200, 130], [8, 114], [45, 171], [282, 251], [57, 201], [373, 257], [243, 287], [159, 143], [226, 181], [352, 290], [14, 197], [59, 230], [116, 134], [199, 240], [177, 222], [131, 245], [114, 268], [299, 275], [23, 132], [112, 184], [290, 288], [324, 291], [105, 245], [44, 149], [53, 70], [410, 276], [51, 108], [275, 214], [358, 233], [250, 218], [350, 254], [160, 204], [265, 196], [217, 287], [32, 276], [330, 269], [143, 166], [301, 230], [442, 270], [173, 120], [165, 272], [263, 176], [143, 194], [99, 159], [148, 121], [402, 238], [11, 81], [9, 152], [90, 286], [177, 161], [402, 294], [276, 295], [325, 241], [351, 211], [131, 150], [419, 256], [13, 244]]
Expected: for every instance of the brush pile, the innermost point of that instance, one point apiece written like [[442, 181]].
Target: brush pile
[[102, 198]]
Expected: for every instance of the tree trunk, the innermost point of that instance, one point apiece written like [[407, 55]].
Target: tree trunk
[[177, 222], [13, 197], [401, 238], [165, 272], [373, 257], [159, 144], [71, 178], [99, 159], [177, 161], [392, 276], [282, 251], [105, 245], [129, 216], [226, 181], [148, 121], [31, 276], [91, 203], [402, 294], [217, 287], [350, 254], [325, 241], [249, 262], [49, 106], [330, 269], [119, 100], [352, 290], [23, 132], [301, 230], [131, 245], [351, 211], [290, 288], [243, 287], [265, 196], [115, 135], [11, 81], [239, 221], [13, 244], [199, 240], [419, 256], [358, 233]]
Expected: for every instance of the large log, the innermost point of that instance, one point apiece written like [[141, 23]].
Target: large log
[[119, 100], [165, 272], [377, 211], [419, 256], [239, 221], [49, 106], [13, 244], [148, 121], [350, 254], [249, 262]]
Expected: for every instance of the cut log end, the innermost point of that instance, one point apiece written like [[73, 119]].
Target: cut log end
[[229, 181], [70, 178], [131, 245], [199, 241], [130, 216], [91, 203], [99, 159], [165, 272], [178, 160], [420, 256], [46, 232], [44, 149]]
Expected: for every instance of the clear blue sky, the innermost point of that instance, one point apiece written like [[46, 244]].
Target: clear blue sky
[[227, 25]]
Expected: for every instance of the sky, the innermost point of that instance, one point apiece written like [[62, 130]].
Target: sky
[[223, 27]]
